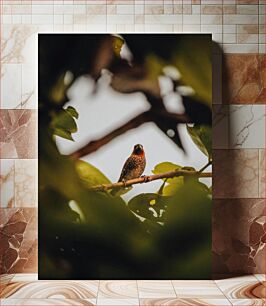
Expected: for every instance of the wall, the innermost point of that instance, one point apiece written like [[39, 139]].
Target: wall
[[238, 27]]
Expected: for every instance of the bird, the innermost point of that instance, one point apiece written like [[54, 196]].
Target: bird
[[133, 167]]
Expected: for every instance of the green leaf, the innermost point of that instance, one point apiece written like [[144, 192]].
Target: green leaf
[[63, 133], [188, 168], [201, 135], [90, 175], [165, 167], [148, 205], [118, 43], [189, 207], [72, 111], [63, 124], [173, 185], [122, 191]]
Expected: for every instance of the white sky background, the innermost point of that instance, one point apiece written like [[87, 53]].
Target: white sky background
[[102, 111]]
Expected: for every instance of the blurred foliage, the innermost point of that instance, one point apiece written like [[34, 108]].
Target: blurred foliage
[[90, 175], [64, 124], [93, 235], [202, 137]]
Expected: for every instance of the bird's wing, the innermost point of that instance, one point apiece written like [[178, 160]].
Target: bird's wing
[[128, 166]]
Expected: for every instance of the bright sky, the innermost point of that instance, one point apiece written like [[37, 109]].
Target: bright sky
[[102, 111]]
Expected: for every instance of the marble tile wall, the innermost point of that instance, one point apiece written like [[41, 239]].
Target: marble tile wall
[[237, 27]]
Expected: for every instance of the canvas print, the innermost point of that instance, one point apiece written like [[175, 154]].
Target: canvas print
[[125, 156]]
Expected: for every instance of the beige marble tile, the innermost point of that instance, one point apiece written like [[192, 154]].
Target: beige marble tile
[[247, 38], [25, 277], [26, 183], [184, 302], [10, 85], [48, 302], [248, 302], [248, 29], [118, 289], [51, 290], [117, 302], [28, 86], [240, 48], [197, 289], [244, 123], [155, 289], [247, 9], [7, 183], [17, 45], [260, 277]]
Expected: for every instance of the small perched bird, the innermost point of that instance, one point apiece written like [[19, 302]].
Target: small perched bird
[[134, 166]]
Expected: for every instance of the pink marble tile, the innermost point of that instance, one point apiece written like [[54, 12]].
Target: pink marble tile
[[18, 134], [5, 279], [242, 287], [262, 171], [211, 9], [238, 236], [235, 173], [247, 1], [243, 79], [18, 235]]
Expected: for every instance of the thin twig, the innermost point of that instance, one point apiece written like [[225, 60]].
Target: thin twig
[[146, 179], [206, 166]]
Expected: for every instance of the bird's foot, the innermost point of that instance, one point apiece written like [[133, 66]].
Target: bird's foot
[[145, 178], [124, 182]]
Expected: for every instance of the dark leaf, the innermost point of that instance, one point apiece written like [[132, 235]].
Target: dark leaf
[[72, 111], [202, 137]]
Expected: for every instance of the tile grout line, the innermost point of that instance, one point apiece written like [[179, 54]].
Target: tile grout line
[[138, 292]]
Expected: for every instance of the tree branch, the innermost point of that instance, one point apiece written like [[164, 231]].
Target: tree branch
[[147, 116], [150, 178], [94, 145]]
